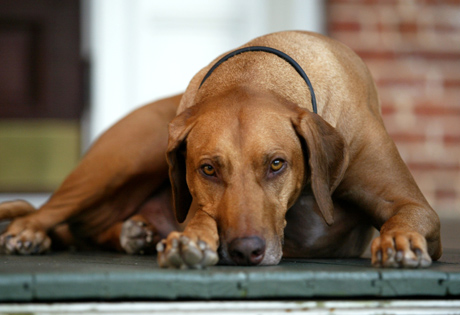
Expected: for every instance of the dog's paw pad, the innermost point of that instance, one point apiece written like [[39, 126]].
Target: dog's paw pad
[[137, 237]]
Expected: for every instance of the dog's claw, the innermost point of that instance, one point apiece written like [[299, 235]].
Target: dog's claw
[[180, 251], [192, 255], [210, 258], [173, 257], [423, 258], [160, 247]]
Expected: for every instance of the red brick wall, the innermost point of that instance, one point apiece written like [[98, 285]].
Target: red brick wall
[[413, 51]]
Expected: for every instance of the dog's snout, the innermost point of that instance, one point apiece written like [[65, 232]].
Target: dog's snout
[[247, 251]]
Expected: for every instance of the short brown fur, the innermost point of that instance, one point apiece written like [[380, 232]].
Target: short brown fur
[[339, 172]]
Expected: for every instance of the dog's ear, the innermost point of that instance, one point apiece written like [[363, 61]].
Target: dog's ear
[[327, 158], [179, 128]]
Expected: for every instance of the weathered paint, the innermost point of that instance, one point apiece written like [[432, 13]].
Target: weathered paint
[[108, 276]]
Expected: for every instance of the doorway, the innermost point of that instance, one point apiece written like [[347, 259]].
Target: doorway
[[41, 93]]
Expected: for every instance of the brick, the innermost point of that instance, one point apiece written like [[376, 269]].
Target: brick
[[392, 55], [393, 2], [400, 123], [401, 27], [344, 12], [344, 26], [434, 166], [413, 69], [417, 96], [441, 189], [422, 152], [388, 110], [424, 15], [428, 110], [437, 179], [392, 45], [447, 194], [452, 139], [412, 49], [422, 82], [447, 209]]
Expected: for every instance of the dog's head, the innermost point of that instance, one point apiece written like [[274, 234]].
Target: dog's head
[[244, 159]]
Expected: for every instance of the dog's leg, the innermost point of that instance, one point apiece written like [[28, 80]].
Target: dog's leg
[[125, 165], [195, 248], [409, 236], [28, 234], [14, 209], [379, 183]]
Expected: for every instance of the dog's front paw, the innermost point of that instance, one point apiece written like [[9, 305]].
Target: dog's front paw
[[400, 249], [181, 251], [137, 237], [24, 238]]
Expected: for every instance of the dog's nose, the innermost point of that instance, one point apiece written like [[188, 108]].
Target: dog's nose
[[247, 251]]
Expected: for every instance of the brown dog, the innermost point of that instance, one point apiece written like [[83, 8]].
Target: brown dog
[[244, 149]]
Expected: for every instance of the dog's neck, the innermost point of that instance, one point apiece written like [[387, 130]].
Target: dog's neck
[[276, 52]]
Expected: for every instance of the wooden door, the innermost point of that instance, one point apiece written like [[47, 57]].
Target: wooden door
[[40, 92]]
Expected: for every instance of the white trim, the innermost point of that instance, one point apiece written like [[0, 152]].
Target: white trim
[[109, 37], [407, 307]]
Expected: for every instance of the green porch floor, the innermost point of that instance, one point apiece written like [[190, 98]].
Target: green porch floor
[[104, 276], [99, 276]]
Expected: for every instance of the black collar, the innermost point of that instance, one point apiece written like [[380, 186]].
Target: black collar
[[280, 54]]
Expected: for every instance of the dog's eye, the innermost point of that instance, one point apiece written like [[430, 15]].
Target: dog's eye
[[276, 165], [208, 170]]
